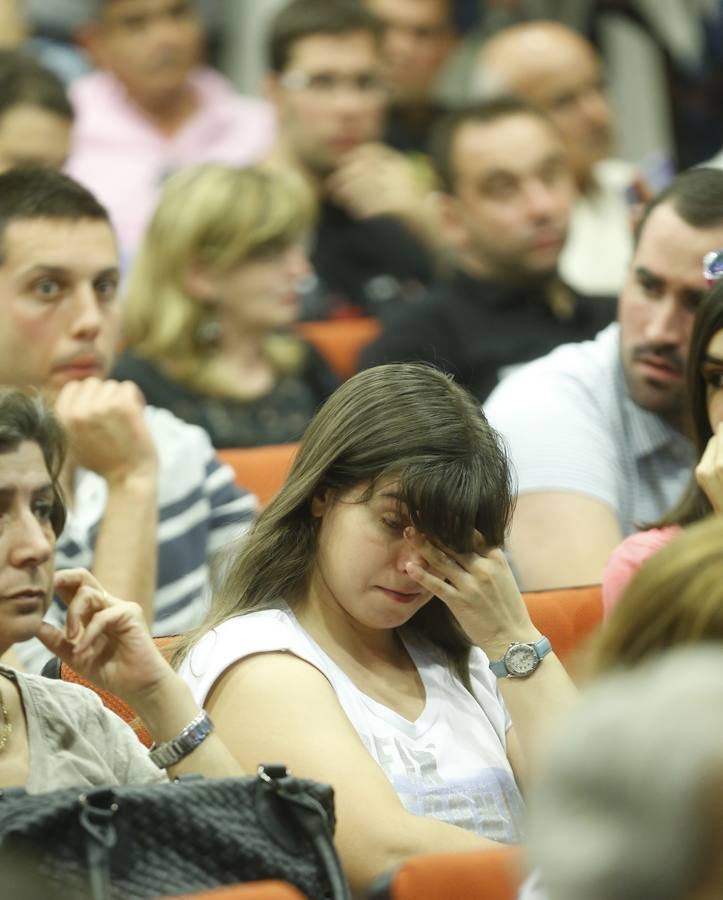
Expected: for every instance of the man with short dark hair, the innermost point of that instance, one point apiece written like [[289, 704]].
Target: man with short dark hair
[[560, 71], [149, 501], [372, 239], [35, 114], [507, 193], [152, 108], [596, 430]]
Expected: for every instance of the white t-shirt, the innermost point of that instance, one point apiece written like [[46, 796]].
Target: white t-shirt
[[450, 763], [599, 247]]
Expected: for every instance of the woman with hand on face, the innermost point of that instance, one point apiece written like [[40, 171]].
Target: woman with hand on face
[[704, 494], [210, 301], [54, 734], [353, 635]]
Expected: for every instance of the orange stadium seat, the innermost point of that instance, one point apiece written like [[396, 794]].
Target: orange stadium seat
[[567, 616], [340, 341], [260, 469], [254, 890], [487, 875]]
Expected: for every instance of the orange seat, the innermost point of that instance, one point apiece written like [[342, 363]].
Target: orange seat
[[260, 469], [485, 875], [566, 615], [253, 890], [340, 341]]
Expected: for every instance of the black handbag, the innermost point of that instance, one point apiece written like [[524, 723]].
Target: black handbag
[[142, 841]]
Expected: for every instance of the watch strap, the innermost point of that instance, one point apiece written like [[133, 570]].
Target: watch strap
[[171, 752], [541, 647]]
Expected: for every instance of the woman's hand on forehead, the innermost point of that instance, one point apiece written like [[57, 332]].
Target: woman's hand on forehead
[[478, 588]]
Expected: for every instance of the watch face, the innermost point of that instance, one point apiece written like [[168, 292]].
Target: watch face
[[521, 659]]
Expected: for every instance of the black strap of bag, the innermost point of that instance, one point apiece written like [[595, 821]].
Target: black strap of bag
[[96, 816], [311, 818]]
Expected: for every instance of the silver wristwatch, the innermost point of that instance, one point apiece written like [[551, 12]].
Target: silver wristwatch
[[171, 752], [521, 659]]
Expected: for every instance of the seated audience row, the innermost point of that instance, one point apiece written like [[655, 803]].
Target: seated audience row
[[378, 236], [387, 669]]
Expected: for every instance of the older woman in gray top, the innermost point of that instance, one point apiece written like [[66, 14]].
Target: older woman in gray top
[[54, 734]]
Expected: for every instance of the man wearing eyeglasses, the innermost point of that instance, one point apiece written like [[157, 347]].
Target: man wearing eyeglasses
[[597, 431], [371, 243]]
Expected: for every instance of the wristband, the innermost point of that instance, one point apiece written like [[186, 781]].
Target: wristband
[[171, 752]]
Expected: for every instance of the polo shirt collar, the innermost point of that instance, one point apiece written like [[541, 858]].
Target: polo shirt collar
[[649, 432]]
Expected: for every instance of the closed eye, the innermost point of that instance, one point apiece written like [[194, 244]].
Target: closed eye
[[393, 524]]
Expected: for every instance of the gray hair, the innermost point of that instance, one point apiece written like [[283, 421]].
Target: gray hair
[[624, 807]]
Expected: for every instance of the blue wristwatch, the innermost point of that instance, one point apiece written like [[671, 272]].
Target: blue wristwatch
[[521, 659]]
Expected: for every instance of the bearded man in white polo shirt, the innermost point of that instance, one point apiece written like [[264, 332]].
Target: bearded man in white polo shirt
[[596, 430]]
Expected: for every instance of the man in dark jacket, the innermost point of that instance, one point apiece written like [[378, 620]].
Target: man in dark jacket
[[506, 201]]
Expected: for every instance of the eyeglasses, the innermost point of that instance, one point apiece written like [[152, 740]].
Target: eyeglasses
[[327, 83], [713, 266]]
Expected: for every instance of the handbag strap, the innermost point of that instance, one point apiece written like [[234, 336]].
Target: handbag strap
[[311, 818], [97, 809]]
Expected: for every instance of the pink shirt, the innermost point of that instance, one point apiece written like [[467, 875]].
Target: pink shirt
[[628, 557], [122, 157]]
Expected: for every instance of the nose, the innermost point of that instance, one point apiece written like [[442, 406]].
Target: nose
[[350, 101], [667, 323], [30, 542], [408, 553], [87, 317], [542, 201], [297, 262], [594, 106]]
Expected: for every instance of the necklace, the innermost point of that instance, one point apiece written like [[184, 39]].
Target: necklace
[[6, 725]]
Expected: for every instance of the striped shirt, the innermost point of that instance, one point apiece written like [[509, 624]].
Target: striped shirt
[[571, 425], [200, 511]]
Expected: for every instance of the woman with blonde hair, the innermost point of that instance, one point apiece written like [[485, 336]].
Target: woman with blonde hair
[[209, 304]]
